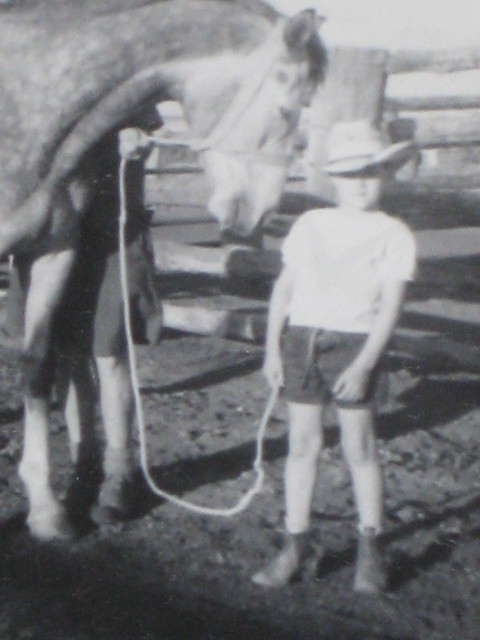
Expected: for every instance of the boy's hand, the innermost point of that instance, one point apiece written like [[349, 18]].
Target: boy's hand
[[352, 384], [134, 144], [273, 369]]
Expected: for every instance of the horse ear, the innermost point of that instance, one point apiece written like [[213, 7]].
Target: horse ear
[[300, 29]]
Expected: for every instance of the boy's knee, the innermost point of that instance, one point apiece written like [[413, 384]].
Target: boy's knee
[[304, 446], [359, 449]]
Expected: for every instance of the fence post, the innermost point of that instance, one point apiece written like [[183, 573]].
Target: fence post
[[353, 89]]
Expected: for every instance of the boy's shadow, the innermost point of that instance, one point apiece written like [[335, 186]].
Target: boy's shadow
[[429, 403], [405, 567]]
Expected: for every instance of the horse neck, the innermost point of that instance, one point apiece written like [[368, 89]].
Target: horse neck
[[217, 91], [91, 56], [140, 48]]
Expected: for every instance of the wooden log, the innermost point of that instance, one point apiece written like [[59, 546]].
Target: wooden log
[[448, 243], [449, 182], [442, 128], [236, 324], [422, 90], [224, 262], [250, 326], [428, 346], [353, 89], [238, 261], [176, 257], [438, 61], [449, 161], [256, 264], [431, 103]]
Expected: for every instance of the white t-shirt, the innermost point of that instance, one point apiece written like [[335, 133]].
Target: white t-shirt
[[340, 257]]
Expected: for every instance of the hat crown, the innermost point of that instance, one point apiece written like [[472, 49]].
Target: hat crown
[[354, 139]]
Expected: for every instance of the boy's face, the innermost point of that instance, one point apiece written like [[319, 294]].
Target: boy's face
[[360, 190]]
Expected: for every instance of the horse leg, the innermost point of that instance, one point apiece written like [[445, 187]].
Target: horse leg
[[76, 390], [46, 519], [117, 494], [77, 394]]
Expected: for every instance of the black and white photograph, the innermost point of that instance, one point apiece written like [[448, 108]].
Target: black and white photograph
[[239, 320]]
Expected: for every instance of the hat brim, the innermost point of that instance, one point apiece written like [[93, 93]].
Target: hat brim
[[393, 157]]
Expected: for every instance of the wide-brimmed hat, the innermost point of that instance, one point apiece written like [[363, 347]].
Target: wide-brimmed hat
[[353, 147]]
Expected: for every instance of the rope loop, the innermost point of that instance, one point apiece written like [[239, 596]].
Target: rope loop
[[247, 498]]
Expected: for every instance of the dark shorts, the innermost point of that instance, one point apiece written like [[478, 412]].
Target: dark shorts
[[313, 360]]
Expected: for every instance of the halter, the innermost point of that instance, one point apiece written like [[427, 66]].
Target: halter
[[263, 62]]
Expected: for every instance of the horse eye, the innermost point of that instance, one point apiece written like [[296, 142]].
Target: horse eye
[[290, 114]]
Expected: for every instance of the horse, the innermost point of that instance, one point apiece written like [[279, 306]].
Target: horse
[[70, 72]]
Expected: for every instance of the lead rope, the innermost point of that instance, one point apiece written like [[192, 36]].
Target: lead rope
[[246, 499]]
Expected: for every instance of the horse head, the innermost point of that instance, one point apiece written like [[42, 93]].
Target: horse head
[[244, 112]]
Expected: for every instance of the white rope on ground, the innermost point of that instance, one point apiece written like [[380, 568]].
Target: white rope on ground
[[246, 499]]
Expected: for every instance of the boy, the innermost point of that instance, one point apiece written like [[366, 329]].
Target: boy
[[341, 290]]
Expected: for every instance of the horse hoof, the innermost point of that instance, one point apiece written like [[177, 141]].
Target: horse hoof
[[116, 500], [104, 515], [48, 528], [82, 491]]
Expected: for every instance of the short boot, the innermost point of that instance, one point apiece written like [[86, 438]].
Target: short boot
[[370, 572], [116, 498], [295, 556]]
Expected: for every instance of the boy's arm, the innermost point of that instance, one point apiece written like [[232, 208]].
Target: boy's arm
[[352, 383], [277, 316]]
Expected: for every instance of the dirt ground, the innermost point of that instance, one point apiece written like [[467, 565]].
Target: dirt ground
[[169, 574]]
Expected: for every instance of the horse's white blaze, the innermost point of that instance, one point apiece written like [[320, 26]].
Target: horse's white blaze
[[248, 161], [242, 191]]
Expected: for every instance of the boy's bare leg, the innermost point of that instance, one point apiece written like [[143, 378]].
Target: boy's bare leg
[[304, 445], [305, 442], [117, 406], [360, 449]]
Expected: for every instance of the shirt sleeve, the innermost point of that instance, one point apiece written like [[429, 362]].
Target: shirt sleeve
[[294, 244], [400, 257]]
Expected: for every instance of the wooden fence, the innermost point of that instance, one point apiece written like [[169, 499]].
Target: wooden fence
[[418, 95], [434, 98]]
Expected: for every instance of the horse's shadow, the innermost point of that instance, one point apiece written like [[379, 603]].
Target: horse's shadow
[[184, 476], [242, 365], [429, 403], [12, 414], [123, 600]]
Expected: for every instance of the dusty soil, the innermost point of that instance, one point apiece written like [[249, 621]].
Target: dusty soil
[[171, 574]]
